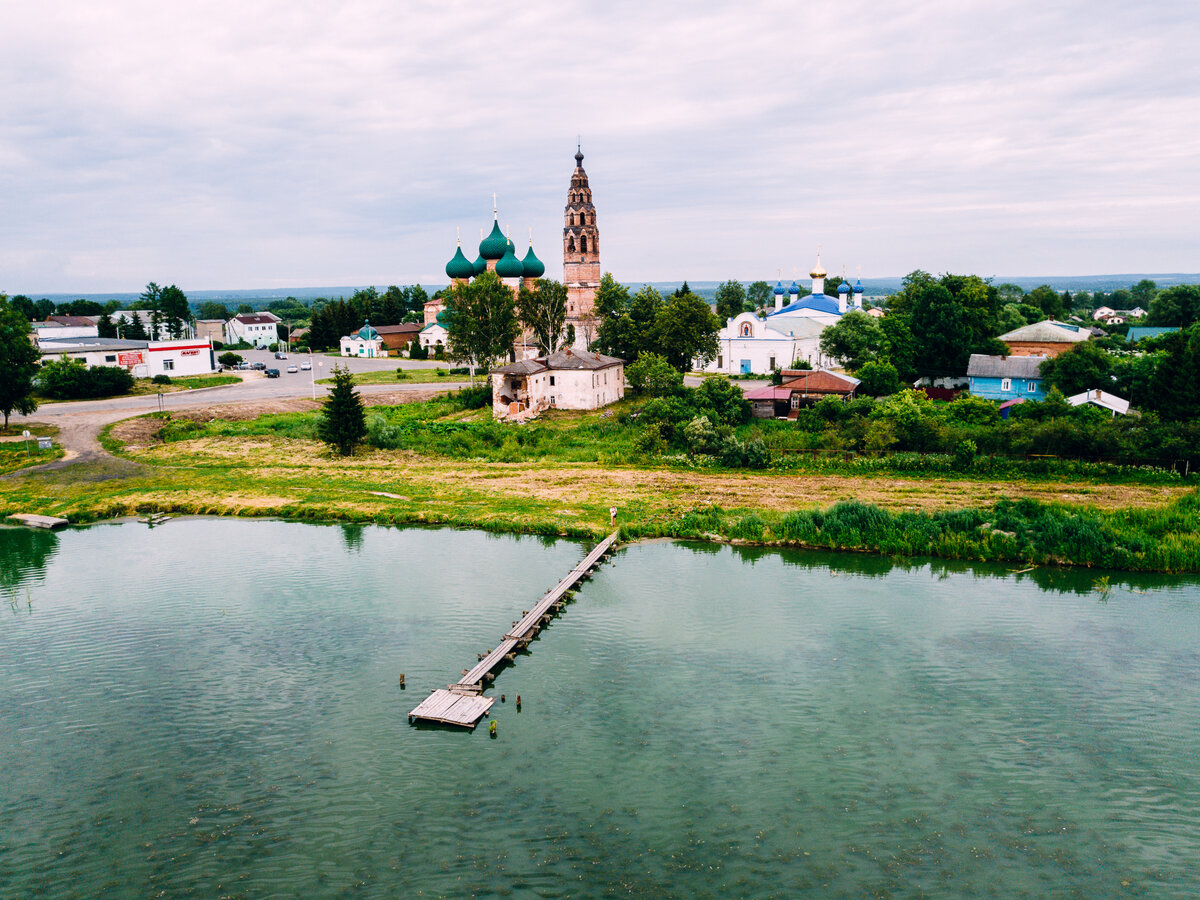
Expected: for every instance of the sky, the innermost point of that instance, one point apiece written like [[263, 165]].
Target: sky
[[264, 144]]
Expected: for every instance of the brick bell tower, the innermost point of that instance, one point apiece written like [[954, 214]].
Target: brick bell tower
[[581, 256]]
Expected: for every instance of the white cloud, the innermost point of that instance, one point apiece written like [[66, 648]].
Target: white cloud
[[222, 144]]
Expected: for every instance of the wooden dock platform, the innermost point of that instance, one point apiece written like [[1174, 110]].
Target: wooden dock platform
[[461, 703], [35, 521]]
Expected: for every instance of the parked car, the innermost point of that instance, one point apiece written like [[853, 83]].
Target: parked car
[[279, 354], [305, 367], [258, 366], [292, 370], [272, 373]]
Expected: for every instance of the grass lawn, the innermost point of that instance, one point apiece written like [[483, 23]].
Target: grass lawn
[[183, 383], [13, 456], [439, 463], [38, 429], [411, 376]]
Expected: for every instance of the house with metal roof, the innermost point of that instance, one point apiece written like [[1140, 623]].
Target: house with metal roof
[[1046, 338], [1005, 378], [565, 379], [1137, 332], [1118, 406], [253, 328]]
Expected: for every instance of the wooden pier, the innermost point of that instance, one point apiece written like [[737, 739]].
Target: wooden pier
[[463, 703], [33, 520]]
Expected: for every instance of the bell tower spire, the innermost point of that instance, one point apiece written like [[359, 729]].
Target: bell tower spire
[[581, 254]]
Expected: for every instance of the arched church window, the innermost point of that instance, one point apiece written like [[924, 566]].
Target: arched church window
[[583, 243], [747, 331], [571, 244]]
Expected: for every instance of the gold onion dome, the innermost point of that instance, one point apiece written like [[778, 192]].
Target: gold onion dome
[[818, 270]]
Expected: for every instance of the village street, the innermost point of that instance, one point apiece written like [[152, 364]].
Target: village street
[[79, 423]]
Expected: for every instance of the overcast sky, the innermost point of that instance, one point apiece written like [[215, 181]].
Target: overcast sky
[[258, 144]]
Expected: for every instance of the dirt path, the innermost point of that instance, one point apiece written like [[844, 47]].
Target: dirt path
[[79, 430]]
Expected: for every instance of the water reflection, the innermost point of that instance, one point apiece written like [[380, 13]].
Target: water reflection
[[24, 553], [1075, 580], [352, 535]]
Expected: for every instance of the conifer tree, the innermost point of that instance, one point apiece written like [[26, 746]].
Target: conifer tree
[[342, 424]]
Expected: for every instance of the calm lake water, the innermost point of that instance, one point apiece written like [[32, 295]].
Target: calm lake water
[[211, 709]]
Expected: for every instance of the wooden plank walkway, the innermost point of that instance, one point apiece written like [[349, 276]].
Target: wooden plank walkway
[[441, 706], [33, 520]]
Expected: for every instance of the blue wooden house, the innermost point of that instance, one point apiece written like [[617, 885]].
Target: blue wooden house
[[1006, 377]]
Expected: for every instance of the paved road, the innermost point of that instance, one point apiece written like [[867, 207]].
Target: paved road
[[80, 422]]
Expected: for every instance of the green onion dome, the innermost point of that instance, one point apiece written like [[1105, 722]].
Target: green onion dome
[[534, 267], [508, 265], [480, 265], [367, 333], [460, 266], [494, 245]]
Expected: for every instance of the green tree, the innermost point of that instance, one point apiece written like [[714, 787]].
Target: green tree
[[481, 321], [543, 311], [653, 376], [940, 324], [1177, 305], [18, 362], [342, 424], [855, 339], [105, 327], [1010, 293], [229, 359], [1176, 384], [1047, 300], [24, 306], [1084, 367], [731, 300], [175, 310], [722, 400], [683, 290], [758, 296], [213, 310], [70, 379], [244, 309], [685, 329], [1143, 293], [1011, 318], [898, 346], [878, 379], [136, 330]]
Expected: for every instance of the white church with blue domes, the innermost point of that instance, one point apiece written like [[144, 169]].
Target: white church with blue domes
[[789, 333]]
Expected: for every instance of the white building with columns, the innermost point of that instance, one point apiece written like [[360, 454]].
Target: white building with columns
[[788, 334]]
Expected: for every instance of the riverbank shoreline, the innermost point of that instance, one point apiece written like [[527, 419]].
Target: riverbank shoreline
[[252, 465]]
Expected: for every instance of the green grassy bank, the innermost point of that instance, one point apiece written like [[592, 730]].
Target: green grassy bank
[[444, 463]]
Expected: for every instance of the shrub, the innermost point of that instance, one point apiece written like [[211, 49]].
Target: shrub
[[964, 455], [724, 398], [700, 436], [473, 397], [161, 379], [229, 359], [878, 379], [653, 376], [69, 379], [401, 374], [416, 351]]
